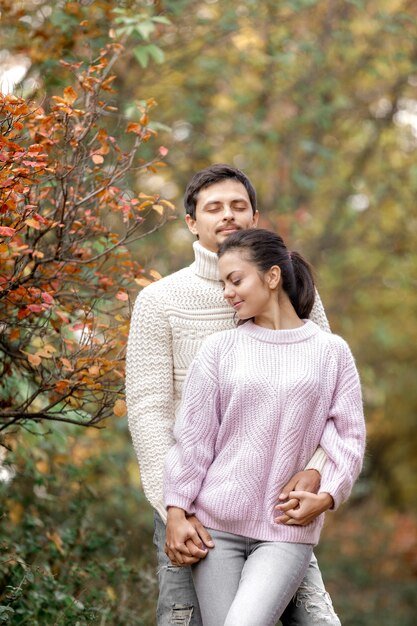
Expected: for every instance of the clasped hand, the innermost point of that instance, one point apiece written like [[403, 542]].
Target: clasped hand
[[300, 504], [187, 541], [303, 507]]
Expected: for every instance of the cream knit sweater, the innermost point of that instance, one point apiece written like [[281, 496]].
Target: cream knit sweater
[[171, 318]]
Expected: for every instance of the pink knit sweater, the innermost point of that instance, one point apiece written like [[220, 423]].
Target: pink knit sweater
[[256, 404]]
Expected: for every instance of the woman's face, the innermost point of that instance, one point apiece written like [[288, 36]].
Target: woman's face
[[245, 288]]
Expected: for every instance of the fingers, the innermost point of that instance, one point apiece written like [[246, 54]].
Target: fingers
[[181, 560], [282, 519], [293, 517], [194, 550], [310, 507], [184, 554], [293, 503], [178, 556], [204, 534], [291, 484]]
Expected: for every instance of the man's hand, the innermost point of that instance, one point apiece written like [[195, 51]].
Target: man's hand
[[308, 507], [186, 538], [306, 480]]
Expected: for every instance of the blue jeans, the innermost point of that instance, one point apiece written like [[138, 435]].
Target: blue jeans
[[178, 604]]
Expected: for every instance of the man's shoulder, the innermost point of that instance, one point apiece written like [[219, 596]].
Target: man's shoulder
[[168, 283]]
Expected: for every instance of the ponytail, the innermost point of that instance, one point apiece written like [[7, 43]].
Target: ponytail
[[304, 289]]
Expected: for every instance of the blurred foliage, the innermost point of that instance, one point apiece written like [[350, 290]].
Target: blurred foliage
[[76, 542], [317, 102]]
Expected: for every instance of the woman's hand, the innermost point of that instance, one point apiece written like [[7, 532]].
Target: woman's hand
[[309, 506], [183, 544]]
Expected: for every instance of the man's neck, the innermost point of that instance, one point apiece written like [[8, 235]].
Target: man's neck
[[206, 263]]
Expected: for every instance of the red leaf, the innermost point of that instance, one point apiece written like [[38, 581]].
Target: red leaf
[[35, 308], [6, 231], [46, 297]]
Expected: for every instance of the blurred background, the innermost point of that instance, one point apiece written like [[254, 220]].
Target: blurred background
[[316, 100]]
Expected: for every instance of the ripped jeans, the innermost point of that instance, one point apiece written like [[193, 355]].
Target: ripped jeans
[[178, 604]]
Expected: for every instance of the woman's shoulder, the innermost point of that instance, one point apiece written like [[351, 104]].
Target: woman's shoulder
[[220, 340], [338, 348]]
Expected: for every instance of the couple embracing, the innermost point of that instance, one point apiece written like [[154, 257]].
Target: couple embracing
[[246, 417]]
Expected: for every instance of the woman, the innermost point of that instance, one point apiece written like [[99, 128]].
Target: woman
[[258, 401]]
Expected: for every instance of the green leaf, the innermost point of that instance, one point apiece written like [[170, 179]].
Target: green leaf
[[161, 20], [142, 55], [157, 54], [145, 29]]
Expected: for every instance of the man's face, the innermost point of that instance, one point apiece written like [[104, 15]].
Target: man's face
[[221, 209]]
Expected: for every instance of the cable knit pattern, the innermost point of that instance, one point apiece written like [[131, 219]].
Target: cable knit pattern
[[170, 320], [257, 403]]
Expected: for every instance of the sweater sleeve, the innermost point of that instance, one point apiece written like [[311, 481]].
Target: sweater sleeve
[[343, 437], [149, 391], [195, 433]]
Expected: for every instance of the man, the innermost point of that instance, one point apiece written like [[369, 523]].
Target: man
[[170, 320]]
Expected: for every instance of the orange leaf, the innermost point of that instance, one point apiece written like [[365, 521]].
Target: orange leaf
[[156, 275], [33, 223], [97, 159], [66, 363], [133, 127], [56, 539], [62, 385], [119, 408], [34, 359], [70, 95], [142, 282]]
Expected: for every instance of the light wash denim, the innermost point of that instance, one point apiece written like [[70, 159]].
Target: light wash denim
[[178, 604], [246, 582]]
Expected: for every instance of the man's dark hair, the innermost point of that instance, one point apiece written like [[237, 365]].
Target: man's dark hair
[[211, 175]]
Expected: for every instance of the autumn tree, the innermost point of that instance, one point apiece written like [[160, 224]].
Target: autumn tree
[[67, 217]]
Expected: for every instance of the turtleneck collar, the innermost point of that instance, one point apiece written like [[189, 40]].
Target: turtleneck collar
[[268, 335], [206, 262]]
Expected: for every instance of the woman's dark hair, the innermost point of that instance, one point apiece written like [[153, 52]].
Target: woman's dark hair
[[210, 176], [265, 249]]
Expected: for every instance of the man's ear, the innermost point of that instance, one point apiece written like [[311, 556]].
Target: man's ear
[[192, 224], [273, 276], [255, 219]]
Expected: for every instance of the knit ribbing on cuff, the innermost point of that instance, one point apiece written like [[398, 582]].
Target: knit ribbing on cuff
[[181, 502], [336, 490]]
